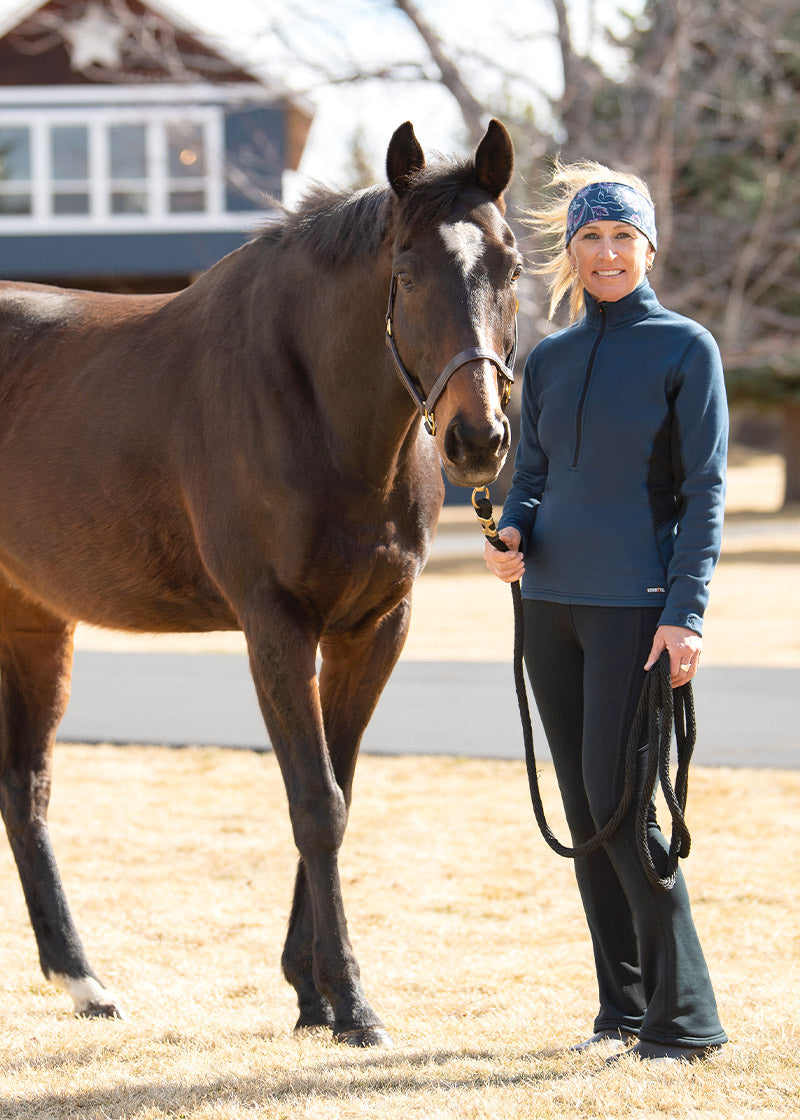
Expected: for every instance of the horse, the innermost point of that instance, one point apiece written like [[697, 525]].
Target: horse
[[261, 451]]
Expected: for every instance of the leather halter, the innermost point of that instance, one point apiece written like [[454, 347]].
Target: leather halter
[[426, 405]]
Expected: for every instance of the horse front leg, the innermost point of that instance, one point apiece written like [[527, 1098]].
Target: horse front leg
[[355, 669], [282, 658], [35, 667]]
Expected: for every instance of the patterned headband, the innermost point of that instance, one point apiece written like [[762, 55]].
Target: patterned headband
[[615, 202]]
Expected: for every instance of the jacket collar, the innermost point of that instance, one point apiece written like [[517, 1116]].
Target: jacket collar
[[637, 305]]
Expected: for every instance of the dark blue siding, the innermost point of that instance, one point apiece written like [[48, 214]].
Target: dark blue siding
[[108, 254]]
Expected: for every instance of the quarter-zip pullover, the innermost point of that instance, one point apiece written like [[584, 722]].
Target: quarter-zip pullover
[[619, 480]]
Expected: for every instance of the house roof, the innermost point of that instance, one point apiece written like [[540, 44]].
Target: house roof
[[66, 42], [86, 43]]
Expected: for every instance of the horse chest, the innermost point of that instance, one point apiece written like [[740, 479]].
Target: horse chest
[[365, 572]]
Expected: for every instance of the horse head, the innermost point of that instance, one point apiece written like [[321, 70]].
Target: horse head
[[451, 319]]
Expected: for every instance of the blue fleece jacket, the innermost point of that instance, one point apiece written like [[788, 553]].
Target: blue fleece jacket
[[619, 480]]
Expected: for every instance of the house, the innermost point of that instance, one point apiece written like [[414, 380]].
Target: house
[[133, 153]]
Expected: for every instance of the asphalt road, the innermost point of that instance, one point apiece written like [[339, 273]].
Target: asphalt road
[[746, 717]]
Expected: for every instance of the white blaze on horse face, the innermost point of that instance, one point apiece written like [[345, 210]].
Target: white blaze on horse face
[[465, 242]]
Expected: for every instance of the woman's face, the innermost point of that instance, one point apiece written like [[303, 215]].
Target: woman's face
[[611, 258]]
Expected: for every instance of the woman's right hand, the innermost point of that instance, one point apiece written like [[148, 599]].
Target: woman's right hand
[[507, 566]]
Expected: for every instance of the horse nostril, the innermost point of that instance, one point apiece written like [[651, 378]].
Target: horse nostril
[[498, 440], [505, 436], [453, 442]]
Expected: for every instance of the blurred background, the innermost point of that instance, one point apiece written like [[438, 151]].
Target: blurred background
[[140, 142]]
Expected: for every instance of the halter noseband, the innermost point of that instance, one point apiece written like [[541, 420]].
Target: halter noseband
[[426, 405]]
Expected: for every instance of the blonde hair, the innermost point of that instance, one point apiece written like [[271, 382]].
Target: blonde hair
[[550, 220]]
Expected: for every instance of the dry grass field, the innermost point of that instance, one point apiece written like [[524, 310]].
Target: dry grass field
[[180, 865], [468, 930]]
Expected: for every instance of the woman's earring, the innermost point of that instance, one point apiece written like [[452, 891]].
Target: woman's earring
[[649, 265]]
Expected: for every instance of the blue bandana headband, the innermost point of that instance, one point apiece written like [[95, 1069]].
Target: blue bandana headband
[[612, 202]]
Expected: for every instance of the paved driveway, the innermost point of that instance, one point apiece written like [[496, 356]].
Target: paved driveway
[[746, 717]]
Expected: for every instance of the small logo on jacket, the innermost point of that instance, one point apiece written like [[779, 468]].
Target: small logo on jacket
[[656, 590]]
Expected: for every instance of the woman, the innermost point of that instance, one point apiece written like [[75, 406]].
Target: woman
[[613, 525]]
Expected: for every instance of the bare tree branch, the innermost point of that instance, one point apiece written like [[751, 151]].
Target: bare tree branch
[[473, 112]]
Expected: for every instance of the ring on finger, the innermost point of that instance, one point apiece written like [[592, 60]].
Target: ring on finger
[[686, 667]]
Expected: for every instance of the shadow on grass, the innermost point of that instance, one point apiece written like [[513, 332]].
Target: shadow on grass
[[338, 1074]]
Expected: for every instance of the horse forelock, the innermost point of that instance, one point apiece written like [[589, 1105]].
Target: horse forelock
[[434, 195], [338, 227]]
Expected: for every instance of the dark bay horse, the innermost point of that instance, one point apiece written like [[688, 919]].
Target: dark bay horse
[[244, 455]]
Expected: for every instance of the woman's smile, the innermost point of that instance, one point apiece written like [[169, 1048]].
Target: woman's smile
[[611, 258]]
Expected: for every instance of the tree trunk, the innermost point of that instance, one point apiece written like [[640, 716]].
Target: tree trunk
[[791, 450]]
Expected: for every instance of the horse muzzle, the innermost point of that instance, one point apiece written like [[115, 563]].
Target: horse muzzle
[[472, 453]]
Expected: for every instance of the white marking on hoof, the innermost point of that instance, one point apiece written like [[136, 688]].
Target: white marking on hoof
[[465, 242], [364, 1036], [89, 996]]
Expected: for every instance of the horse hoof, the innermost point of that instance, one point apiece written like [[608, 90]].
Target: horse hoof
[[100, 1010], [90, 998], [318, 1018], [364, 1036], [312, 1030]]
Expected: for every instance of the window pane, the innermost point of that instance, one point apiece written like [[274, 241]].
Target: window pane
[[186, 150], [70, 148], [15, 154], [128, 202], [64, 203], [184, 202], [15, 204], [127, 151]]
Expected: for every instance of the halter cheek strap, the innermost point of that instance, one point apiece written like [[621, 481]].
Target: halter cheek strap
[[426, 405]]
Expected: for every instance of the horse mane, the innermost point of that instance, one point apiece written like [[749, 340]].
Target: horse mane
[[335, 227], [339, 227]]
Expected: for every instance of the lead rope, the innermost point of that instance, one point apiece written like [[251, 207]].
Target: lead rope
[[659, 709]]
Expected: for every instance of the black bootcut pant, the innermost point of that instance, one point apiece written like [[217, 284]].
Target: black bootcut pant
[[586, 667]]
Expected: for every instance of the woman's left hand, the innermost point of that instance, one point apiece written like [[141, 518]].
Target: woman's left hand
[[684, 648]]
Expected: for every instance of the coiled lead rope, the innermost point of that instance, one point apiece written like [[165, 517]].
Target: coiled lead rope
[[660, 709]]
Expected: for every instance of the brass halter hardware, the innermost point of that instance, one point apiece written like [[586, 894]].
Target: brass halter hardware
[[426, 405], [482, 504]]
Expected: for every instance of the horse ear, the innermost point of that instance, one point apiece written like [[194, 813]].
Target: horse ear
[[404, 158], [494, 159]]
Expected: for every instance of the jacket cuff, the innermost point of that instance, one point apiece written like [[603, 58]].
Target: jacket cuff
[[687, 621]]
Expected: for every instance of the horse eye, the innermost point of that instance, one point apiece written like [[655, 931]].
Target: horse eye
[[515, 275], [405, 280]]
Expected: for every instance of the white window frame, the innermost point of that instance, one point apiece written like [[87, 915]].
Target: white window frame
[[98, 118]]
